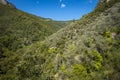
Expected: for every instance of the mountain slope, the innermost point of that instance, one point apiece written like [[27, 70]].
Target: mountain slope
[[18, 29], [88, 49]]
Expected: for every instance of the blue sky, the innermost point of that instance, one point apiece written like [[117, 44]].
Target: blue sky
[[56, 9]]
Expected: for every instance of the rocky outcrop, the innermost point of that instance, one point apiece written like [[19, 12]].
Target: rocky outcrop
[[5, 2], [11, 5], [101, 1]]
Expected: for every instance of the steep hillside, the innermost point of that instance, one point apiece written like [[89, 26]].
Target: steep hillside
[[88, 49], [18, 29]]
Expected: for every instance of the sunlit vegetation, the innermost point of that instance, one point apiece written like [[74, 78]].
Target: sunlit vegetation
[[18, 29], [88, 49]]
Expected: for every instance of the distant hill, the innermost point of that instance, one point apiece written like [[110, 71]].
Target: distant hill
[[87, 49]]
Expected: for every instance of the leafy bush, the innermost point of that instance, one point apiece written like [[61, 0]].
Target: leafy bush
[[78, 72]]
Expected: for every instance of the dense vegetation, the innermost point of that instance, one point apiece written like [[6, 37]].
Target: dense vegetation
[[88, 49], [18, 29]]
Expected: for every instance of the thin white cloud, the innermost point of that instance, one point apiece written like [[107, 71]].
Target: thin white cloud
[[60, 0], [63, 5]]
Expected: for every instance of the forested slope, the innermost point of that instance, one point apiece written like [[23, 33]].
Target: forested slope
[[88, 49]]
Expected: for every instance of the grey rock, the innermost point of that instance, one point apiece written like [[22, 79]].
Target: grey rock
[[5, 2]]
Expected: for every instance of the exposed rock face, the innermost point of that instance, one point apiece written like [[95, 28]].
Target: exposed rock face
[[108, 0], [101, 1], [5, 2], [11, 5]]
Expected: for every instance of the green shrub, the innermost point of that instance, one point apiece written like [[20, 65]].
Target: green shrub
[[78, 72]]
